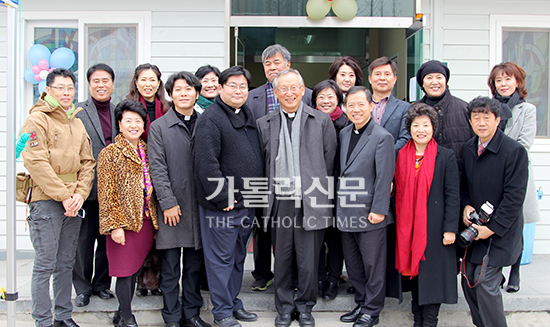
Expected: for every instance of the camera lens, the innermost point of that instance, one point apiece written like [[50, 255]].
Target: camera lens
[[467, 236]]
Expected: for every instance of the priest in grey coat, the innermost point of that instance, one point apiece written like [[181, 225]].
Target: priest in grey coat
[[97, 115], [299, 145], [367, 165]]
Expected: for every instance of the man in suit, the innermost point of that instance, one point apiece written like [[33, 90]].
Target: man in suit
[[179, 236], [495, 170], [226, 151], [98, 119], [261, 101], [299, 145], [367, 164], [388, 111]]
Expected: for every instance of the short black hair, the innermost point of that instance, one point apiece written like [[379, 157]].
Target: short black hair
[[205, 70], [129, 105], [100, 66], [235, 71], [421, 109], [59, 72], [326, 84], [485, 105], [357, 89], [191, 79]]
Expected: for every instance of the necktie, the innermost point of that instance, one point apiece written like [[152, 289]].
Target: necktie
[[480, 149]]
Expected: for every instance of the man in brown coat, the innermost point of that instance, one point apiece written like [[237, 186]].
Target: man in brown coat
[[60, 161]]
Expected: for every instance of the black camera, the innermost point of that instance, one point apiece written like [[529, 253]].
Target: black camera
[[469, 234]]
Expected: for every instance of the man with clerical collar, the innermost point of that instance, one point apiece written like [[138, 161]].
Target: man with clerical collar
[[299, 145], [226, 152], [388, 111], [367, 164], [495, 171], [262, 100], [170, 145], [91, 268]]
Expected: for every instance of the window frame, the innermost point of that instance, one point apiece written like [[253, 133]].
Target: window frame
[[82, 20]]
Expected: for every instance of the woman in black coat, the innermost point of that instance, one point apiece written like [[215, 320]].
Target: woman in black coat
[[452, 113], [427, 217]]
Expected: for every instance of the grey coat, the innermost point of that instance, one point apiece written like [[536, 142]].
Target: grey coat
[[90, 119], [317, 151], [393, 121], [171, 168], [522, 127], [373, 160]]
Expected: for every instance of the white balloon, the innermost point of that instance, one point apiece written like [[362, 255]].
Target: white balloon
[[317, 9], [344, 9], [43, 74]]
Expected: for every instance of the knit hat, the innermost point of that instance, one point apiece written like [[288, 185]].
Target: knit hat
[[429, 67]]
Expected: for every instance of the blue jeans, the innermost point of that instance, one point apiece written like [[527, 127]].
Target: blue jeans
[[54, 237]]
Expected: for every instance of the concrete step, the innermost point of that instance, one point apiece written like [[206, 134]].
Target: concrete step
[[529, 307]]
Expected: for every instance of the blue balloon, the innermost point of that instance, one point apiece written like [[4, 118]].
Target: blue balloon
[[62, 58], [29, 76], [42, 86], [37, 52]]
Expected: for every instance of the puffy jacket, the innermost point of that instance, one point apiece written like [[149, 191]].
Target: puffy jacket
[[58, 146], [120, 188], [454, 126]]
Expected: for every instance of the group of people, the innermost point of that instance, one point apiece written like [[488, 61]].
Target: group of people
[[324, 176]]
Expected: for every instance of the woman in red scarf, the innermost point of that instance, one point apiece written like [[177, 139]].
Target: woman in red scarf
[[427, 217], [147, 88]]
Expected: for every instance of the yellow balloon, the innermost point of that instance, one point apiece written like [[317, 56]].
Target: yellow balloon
[[317, 9], [344, 9]]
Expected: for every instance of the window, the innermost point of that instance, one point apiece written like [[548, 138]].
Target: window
[[108, 37], [525, 40]]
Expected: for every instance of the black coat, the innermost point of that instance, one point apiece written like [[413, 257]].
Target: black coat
[[171, 168], [225, 146], [499, 176], [437, 281], [453, 128]]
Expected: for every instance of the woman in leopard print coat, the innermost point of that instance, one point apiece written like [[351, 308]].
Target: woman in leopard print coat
[[127, 206]]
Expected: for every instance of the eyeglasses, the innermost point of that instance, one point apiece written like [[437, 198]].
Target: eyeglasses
[[292, 89], [234, 86], [69, 89]]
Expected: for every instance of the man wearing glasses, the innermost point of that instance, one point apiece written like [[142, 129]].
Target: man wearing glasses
[[299, 145], [59, 159], [226, 151]]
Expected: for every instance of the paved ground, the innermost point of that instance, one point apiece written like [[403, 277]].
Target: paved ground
[[529, 307]]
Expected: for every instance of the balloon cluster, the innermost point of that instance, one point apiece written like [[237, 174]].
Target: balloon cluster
[[44, 62], [344, 9]]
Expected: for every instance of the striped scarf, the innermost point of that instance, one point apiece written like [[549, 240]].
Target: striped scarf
[[272, 102]]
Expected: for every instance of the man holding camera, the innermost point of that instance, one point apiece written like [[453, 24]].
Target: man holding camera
[[495, 171]]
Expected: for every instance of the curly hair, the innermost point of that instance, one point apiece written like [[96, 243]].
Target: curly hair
[[421, 109]]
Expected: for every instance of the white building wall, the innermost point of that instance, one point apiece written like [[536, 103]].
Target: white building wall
[[184, 36], [459, 34]]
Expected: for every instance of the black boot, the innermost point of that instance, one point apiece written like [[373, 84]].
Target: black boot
[[417, 313], [429, 315], [128, 323]]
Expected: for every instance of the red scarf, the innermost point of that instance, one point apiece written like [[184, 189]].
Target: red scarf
[[411, 198], [336, 113], [159, 112]]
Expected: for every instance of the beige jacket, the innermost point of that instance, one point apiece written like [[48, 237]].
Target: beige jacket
[[57, 147]]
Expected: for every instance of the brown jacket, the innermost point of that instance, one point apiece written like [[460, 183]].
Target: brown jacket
[[120, 188], [58, 146]]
